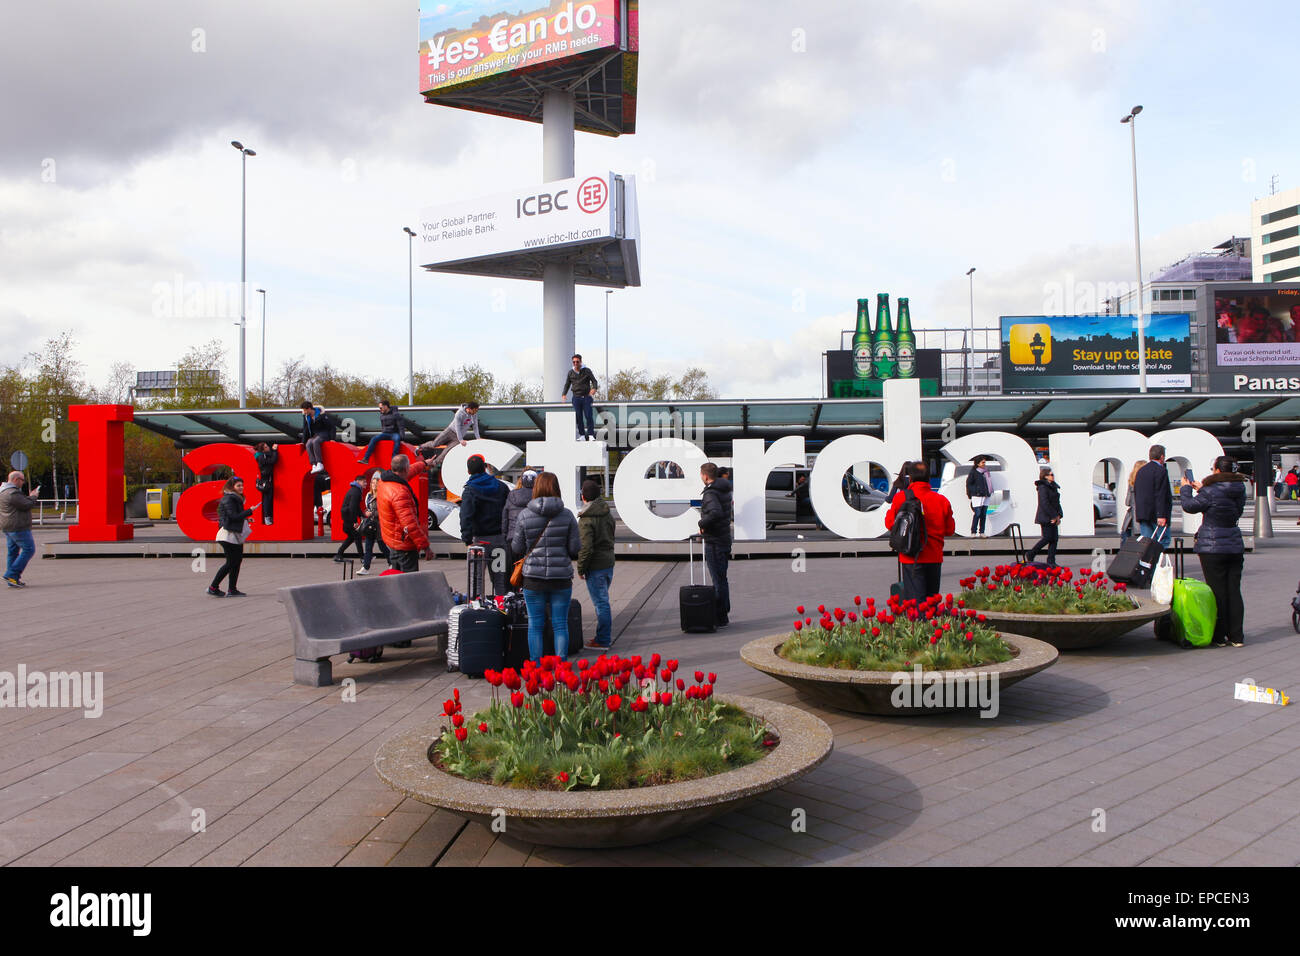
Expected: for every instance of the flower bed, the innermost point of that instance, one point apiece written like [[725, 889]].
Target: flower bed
[[1023, 589], [941, 633], [1054, 605], [613, 724]]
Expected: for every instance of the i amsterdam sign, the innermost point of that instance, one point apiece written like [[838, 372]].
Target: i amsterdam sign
[[1074, 457]]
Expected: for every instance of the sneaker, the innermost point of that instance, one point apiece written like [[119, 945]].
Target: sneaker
[[318, 467], [592, 645], [14, 583], [233, 593], [215, 592], [1236, 644], [363, 570], [339, 559]]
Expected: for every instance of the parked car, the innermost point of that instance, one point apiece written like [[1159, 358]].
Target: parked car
[[781, 504], [439, 508]]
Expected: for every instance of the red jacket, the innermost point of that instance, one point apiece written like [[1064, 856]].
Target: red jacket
[[399, 513], [938, 521]]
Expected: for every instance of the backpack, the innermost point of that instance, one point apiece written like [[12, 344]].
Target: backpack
[[907, 536]]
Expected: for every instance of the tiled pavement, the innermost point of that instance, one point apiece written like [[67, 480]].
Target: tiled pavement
[[201, 715]]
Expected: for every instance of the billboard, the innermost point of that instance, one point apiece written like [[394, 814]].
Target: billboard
[[841, 382], [466, 41], [1256, 341], [562, 213], [1047, 354]]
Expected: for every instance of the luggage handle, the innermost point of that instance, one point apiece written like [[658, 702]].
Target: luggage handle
[[690, 550]]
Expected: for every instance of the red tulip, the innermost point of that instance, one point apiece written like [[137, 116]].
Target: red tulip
[[482, 728], [799, 609], [699, 677], [665, 698], [613, 702], [548, 707], [666, 674], [798, 625], [517, 699], [562, 776], [461, 733], [681, 684], [639, 704], [448, 707], [672, 666], [458, 720], [713, 678]]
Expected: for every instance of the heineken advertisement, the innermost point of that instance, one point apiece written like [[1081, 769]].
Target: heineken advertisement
[[881, 355]]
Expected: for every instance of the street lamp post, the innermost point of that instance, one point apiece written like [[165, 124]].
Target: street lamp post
[[410, 316], [970, 274], [608, 293], [1131, 120], [262, 292], [243, 261]]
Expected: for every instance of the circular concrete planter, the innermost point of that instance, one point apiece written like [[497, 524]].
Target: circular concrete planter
[[606, 818], [1070, 632], [876, 692]]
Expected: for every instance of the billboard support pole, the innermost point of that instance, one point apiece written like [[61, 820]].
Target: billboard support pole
[[1131, 120], [558, 308]]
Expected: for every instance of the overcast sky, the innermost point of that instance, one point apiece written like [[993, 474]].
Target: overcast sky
[[790, 158]]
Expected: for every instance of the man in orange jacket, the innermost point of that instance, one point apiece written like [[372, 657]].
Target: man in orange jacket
[[399, 515], [921, 574]]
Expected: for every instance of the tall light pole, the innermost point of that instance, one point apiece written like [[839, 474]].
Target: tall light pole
[[262, 292], [243, 261], [410, 315], [608, 293], [970, 274], [1131, 120]]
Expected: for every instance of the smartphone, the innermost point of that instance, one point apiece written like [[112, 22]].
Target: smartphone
[[1187, 475], [256, 506]]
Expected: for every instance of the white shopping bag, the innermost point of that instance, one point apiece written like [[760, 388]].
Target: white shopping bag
[[1162, 581]]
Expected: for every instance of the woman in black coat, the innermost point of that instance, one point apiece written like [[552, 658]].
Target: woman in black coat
[[978, 489], [231, 515], [1048, 516], [1220, 500]]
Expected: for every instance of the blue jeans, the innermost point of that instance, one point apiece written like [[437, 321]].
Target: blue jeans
[[536, 602], [21, 548], [598, 588], [978, 517], [370, 448], [716, 557], [582, 404], [1148, 529]]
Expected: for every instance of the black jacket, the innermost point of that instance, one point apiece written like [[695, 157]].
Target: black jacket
[[552, 557], [516, 501], [1049, 501], [715, 512], [266, 463], [231, 513], [581, 382], [1220, 501], [977, 484], [321, 425], [481, 504], [352, 505], [1152, 496], [392, 423]]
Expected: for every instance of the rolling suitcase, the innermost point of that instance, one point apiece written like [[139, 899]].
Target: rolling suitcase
[[1135, 562], [480, 640], [699, 603], [516, 613], [575, 630]]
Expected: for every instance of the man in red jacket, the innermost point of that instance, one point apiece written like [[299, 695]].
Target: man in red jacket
[[921, 574], [399, 515]]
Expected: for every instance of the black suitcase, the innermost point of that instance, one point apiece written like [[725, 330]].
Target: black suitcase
[[516, 613], [1135, 562], [699, 602], [575, 630], [481, 643]]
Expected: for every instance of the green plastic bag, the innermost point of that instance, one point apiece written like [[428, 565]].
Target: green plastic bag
[[1193, 612]]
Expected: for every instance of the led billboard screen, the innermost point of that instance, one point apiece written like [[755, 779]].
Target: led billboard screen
[[1048, 354], [1256, 339]]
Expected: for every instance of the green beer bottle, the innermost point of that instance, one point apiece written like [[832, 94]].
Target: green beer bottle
[[884, 341], [862, 351], [906, 342]]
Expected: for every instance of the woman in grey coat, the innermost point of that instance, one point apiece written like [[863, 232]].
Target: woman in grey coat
[[1220, 499], [547, 532]]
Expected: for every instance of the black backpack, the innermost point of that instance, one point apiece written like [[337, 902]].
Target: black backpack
[[907, 536]]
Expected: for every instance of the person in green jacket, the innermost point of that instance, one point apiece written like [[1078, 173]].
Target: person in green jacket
[[596, 559]]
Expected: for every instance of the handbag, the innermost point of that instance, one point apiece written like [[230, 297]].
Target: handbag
[[1162, 581], [517, 573]]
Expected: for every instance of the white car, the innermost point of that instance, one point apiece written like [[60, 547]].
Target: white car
[[439, 508]]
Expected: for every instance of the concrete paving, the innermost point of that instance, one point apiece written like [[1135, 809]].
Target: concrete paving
[[207, 754]]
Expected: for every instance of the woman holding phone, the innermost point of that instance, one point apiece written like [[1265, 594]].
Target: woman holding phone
[[1220, 499], [232, 517]]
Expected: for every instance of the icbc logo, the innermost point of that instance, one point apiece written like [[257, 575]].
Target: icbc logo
[[592, 194]]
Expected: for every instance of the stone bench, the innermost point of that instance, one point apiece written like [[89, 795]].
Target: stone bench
[[344, 616]]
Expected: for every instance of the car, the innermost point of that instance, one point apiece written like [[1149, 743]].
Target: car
[[781, 501], [439, 508]]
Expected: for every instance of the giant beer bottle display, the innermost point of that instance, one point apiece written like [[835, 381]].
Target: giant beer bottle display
[[884, 341], [862, 350], [906, 353]]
